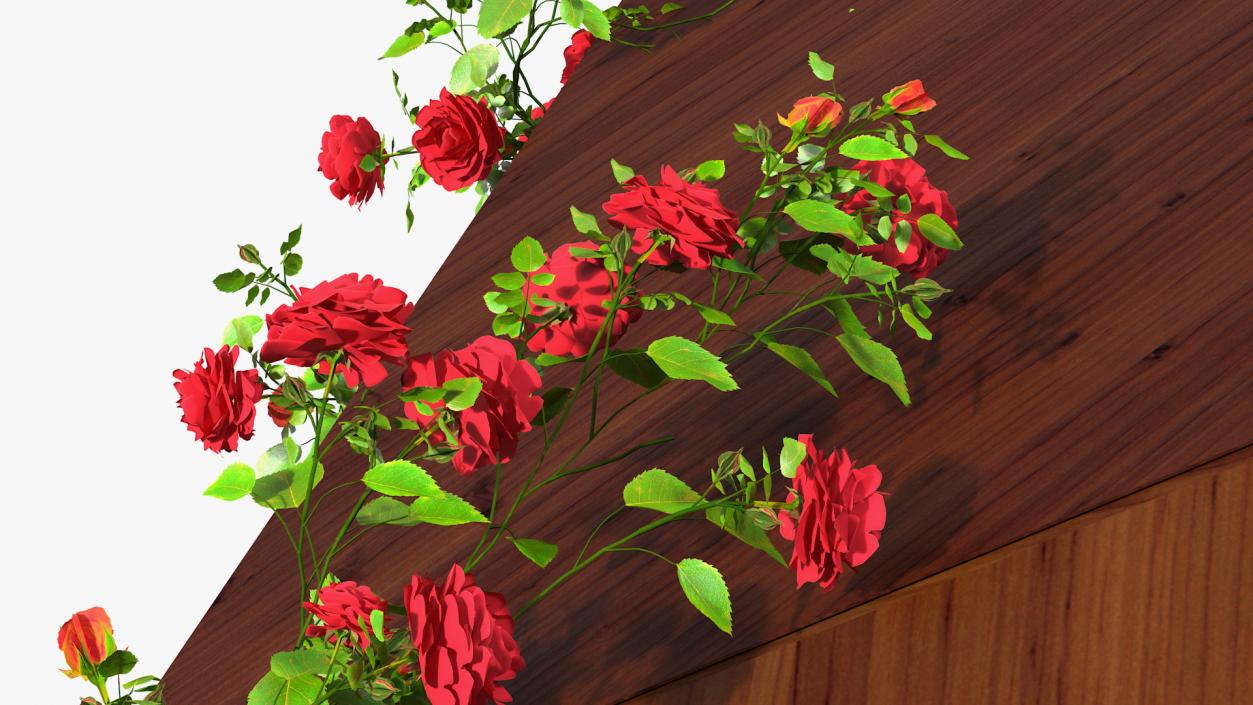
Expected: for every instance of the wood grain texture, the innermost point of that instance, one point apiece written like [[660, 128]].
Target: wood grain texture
[[1147, 600], [1101, 336]]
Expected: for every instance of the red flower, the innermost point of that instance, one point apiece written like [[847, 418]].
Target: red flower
[[458, 140], [579, 44], [820, 114], [905, 177], [582, 285], [219, 404], [345, 607], [464, 638], [86, 639], [909, 99], [489, 429], [343, 146], [692, 214], [841, 515], [538, 112], [279, 414], [356, 315]]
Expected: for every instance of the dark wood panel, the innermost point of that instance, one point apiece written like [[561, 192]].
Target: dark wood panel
[[1148, 600], [1101, 337]]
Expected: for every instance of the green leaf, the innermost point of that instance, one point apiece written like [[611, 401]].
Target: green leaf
[[846, 265], [621, 173], [464, 391], [286, 489], [448, 510], [738, 523], [669, 7], [660, 491], [555, 400], [801, 359], [273, 689], [496, 16], [509, 281], [948, 149], [290, 664], [118, 663], [240, 331], [235, 482], [878, 361], [572, 12], [791, 456], [404, 44], [584, 222], [821, 217], [292, 263], [711, 170], [706, 590], [528, 255], [913, 321], [377, 619], [713, 315], [846, 317], [401, 478], [595, 21], [733, 265], [937, 231], [681, 358], [233, 280], [822, 70], [636, 366], [539, 552], [383, 510], [473, 68], [870, 148]]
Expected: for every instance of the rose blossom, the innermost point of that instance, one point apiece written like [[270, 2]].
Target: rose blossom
[[909, 99], [343, 146], [356, 315], [88, 635], [692, 214], [458, 140], [279, 414], [489, 429], [464, 638], [820, 114], [841, 515], [345, 607], [219, 404], [905, 177], [583, 285], [579, 44]]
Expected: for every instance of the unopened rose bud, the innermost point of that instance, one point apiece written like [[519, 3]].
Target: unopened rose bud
[[909, 99], [819, 114]]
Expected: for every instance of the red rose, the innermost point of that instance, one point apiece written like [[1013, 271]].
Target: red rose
[[538, 113], [345, 607], [464, 638], [820, 114], [489, 429], [219, 404], [692, 214], [458, 140], [909, 99], [343, 146], [905, 177], [356, 315], [574, 53], [582, 285], [86, 639], [279, 414], [841, 515]]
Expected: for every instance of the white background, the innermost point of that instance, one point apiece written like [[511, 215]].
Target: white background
[[141, 141]]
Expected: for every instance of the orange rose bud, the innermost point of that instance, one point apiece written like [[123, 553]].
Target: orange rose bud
[[88, 635], [819, 113], [909, 99]]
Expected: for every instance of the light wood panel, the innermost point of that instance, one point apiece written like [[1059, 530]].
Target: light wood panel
[[1100, 340], [1148, 600]]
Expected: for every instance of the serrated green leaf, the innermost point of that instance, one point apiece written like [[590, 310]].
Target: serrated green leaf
[[572, 12], [273, 689], [496, 16], [937, 231], [660, 491], [231, 281], [401, 478], [404, 44], [241, 330], [383, 510], [473, 68], [636, 366], [594, 21], [621, 173], [800, 358], [948, 149], [584, 222], [463, 392], [846, 317], [711, 170], [736, 522], [291, 664], [823, 71], [528, 255], [681, 358], [878, 361], [235, 482], [706, 590], [870, 148], [449, 510], [713, 315], [538, 552], [821, 217], [791, 456]]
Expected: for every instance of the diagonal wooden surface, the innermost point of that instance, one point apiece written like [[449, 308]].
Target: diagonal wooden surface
[[1101, 337], [1148, 600]]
